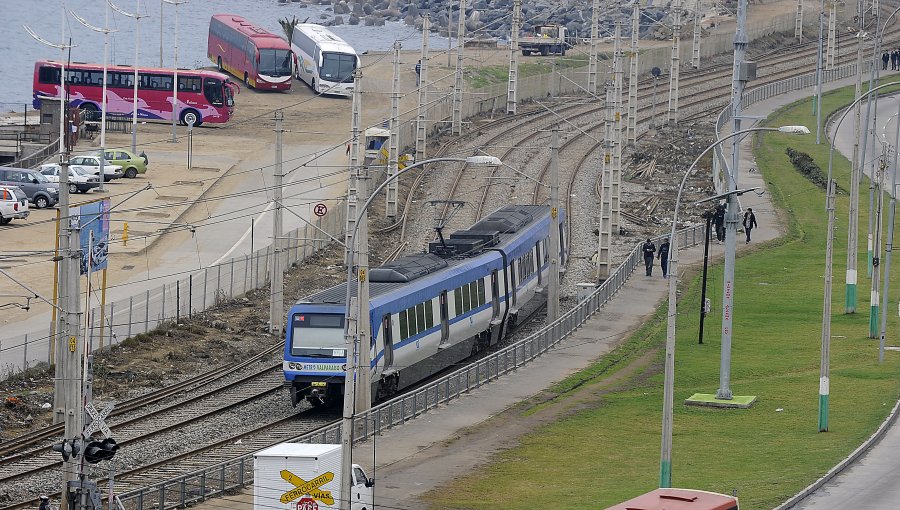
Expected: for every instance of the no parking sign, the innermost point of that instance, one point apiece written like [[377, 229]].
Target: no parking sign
[[320, 210]]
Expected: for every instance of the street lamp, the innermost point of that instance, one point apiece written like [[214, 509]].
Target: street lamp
[[890, 239], [176, 3], [362, 309], [137, 46], [665, 463]]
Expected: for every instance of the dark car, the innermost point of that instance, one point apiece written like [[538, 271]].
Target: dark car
[[39, 190]]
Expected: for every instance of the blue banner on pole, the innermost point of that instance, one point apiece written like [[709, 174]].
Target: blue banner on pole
[[94, 220]]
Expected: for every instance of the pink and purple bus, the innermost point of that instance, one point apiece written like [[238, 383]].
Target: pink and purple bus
[[203, 96], [261, 59]]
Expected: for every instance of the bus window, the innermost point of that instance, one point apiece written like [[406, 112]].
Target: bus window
[[212, 89]]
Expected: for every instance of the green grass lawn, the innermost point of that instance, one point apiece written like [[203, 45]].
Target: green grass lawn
[[608, 451], [528, 66]]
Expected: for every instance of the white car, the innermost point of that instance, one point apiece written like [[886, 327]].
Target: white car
[[79, 180], [13, 204], [91, 166]]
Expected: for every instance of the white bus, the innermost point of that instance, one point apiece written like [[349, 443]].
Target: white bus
[[324, 61]]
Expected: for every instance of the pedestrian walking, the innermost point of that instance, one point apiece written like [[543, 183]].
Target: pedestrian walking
[[719, 221], [418, 71], [749, 222], [663, 256], [884, 61], [649, 250], [895, 55]]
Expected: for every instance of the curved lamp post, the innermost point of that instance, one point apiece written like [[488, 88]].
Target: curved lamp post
[[665, 462], [362, 312]]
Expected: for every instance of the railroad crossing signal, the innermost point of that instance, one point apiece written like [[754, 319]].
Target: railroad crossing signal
[[310, 488], [98, 423], [97, 451]]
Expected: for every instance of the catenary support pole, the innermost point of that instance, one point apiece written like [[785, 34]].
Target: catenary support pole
[[889, 247], [352, 182], [553, 283], [708, 231], [674, 66], [820, 63], [731, 204], [456, 124], [798, 22], [513, 83], [875, 295], [831, 51], [175, 118], [618, 127], [695, 47], [604, 234], [276, 275], [393, 149], [421, 119], [631, 136], [592, 57], [850, 276]]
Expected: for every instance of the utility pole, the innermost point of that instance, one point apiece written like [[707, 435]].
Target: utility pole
[[513, 86], [349, 403], [353, 182], [456, 126], [876, 275], [890, 241], [175, 119], [695, 47], [672, 118], [137, 51], [276, 277], [824, 370], [856, 165], [421, 122], [739, 81], [392, 187], [553, 284], [832, 37], [820, 61], [631, 135], [363, 393], [798, 22], [592, 58], [604, 239], [618, 84]]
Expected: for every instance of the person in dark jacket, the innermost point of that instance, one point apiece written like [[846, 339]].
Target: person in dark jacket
[[884, 61], [749, 222], [663, 257], [719, 221], [649, 250]]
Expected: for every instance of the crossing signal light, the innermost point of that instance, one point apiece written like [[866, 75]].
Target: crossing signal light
[[69, 448], [97, 451]]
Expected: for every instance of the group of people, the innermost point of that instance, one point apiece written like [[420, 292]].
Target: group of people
[[718, 217], [893, 57]]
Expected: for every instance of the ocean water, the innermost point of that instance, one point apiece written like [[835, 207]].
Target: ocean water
[[19, 51]]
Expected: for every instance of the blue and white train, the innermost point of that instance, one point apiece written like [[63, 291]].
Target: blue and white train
[[428, 311]]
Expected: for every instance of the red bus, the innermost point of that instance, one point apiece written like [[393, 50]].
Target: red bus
[[203, 96], [262, 59], [679, 499]]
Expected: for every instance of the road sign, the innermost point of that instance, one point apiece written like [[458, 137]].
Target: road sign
[[320, 210], [310, 488], [98, 423]]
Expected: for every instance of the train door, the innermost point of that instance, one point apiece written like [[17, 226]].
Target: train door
[[388, 335], [537, 251], [495, 295], [512, 281], [445, 318]]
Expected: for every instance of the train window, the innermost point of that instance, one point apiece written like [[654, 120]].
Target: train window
[[467, 298], [420, 312], [457, 295], [404, 328], [429, 314], [481, 297], [411, 318]]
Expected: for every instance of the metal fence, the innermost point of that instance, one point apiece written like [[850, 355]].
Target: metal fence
[[237, 473]]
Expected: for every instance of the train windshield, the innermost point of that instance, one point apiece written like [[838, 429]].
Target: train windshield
[[318, 335]]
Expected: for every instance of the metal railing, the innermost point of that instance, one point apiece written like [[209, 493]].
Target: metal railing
[[236, 473]]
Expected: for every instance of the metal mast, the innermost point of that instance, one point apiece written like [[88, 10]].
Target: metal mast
[[421, 122], [604, 238], [798, 22], [824, 366], [832, 36], [511, 94], [856, 175], [276, 277], [672, 117], [352, 182], [695, 47], [392, 186], [631, 134], [592, 59], [618, 76], [553, 284], [456, 126]]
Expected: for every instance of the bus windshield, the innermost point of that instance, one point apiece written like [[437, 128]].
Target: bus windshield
[[275, 62], [337, 67], [318, 335]]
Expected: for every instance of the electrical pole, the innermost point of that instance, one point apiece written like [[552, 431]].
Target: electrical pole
[[363, 397], [456, 126], [820, 61], [672, 118], [175, 119], [392, 187], [592, 58], [352, 182], [276, 277], [137, 51], [618, 84], [824, 369], [876, 275], [604, 239], [856, 165], [739, 81], [798, 22], [631, 135], [512, 88], [553, 284], [349, 402], [890, 241], [695, 48], [872, 99], [832, 37], [421, 122]]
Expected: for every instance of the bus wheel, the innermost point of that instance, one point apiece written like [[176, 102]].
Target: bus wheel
[[189, 117], [219, 64], [247, 81]]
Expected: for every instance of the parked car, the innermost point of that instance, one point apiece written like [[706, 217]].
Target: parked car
[[79, 181], [39, 190], [13, 204], [91, 165], [131, 165]]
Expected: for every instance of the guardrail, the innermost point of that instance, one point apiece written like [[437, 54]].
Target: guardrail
[[237, 473]]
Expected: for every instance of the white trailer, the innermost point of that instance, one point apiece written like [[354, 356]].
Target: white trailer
[[298, 476]]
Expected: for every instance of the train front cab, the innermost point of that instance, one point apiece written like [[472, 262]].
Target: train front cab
[[315, 354]]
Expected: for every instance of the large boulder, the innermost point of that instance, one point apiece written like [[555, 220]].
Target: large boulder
[[354, 19], [367, 9], [341, 8], [338, 20]]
